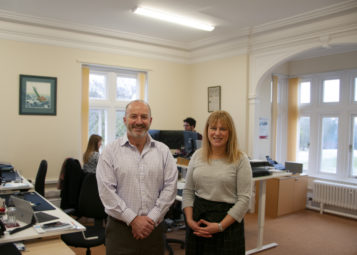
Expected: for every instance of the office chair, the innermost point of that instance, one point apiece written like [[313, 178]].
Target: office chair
[[71, 184], [173, 213], [40, 178], [89, 206], [172, 240]]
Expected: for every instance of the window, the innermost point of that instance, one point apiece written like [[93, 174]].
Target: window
[[329, 142], [327, 125], [302, 154], [354, 148], [331, 91], [109, 92], [304, 92], [97, 86], [97, 123], [355, 88]]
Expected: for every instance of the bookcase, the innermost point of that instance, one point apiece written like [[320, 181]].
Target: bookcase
[[285, 195]]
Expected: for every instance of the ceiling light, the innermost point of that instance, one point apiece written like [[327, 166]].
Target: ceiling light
[[173, 18]]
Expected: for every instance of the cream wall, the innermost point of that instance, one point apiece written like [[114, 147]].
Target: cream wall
[[26, 140], [231, 75]]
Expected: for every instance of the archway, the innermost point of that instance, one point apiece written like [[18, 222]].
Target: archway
[[262, 65]]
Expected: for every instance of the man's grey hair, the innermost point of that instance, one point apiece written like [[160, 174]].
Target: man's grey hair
[[138, 101]]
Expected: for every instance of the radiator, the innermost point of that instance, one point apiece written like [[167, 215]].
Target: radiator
[[336, 195]]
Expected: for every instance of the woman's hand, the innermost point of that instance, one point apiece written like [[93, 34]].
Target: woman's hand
[[193, 225], [205, 228], [208, 227], [197, 230]]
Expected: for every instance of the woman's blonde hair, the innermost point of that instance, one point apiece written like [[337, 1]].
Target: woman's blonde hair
[[232, 151], [93, 145]]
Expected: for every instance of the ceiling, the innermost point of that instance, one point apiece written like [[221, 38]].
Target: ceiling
[[231, 17]]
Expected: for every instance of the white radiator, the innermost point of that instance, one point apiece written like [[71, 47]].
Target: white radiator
[[336, 195]]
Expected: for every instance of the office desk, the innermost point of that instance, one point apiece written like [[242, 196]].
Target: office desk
[[261, 211], [31, 233], [45, 246]]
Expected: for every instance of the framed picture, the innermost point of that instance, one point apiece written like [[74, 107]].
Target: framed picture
[[38, 95], [214, 98]]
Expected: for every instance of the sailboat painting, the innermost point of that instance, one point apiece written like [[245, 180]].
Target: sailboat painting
[[37, 95]]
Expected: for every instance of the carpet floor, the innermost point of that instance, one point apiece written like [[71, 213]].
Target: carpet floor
[[303, 233]]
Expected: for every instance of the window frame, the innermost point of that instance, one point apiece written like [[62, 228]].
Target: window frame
[[344, 110], [110, 104]]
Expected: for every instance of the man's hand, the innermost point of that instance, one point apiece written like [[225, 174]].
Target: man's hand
[[142, 226]]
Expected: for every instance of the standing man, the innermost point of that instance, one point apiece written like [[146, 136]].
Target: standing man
[[190, 124], [137, 184]]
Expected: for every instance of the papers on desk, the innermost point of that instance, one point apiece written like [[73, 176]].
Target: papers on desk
[[180, 185], [53, 226], [18, 185]]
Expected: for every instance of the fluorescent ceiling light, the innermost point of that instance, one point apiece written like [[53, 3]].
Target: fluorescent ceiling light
[[173, 18]]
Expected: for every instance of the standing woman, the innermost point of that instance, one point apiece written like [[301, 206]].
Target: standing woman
[[217, 191], [91, 156]]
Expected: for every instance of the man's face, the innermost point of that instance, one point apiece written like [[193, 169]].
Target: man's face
[[187, 126], [137, 120]]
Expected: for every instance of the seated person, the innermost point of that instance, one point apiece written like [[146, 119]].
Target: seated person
[[91, 155], [189, 124]]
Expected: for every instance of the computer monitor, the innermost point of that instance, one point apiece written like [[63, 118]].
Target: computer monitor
[[155, 134], [174, 139], [185, 141], [294, 167]]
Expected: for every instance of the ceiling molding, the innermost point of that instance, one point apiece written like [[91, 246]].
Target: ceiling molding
[[320, 14], [299, 35], [339, 18], [65, 38], [82, 29]]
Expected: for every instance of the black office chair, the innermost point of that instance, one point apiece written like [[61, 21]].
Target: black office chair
[[71, 184], [40, 178], [89, 206]]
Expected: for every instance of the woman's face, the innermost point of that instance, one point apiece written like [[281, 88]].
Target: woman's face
[[218, 135], [99, 143]]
